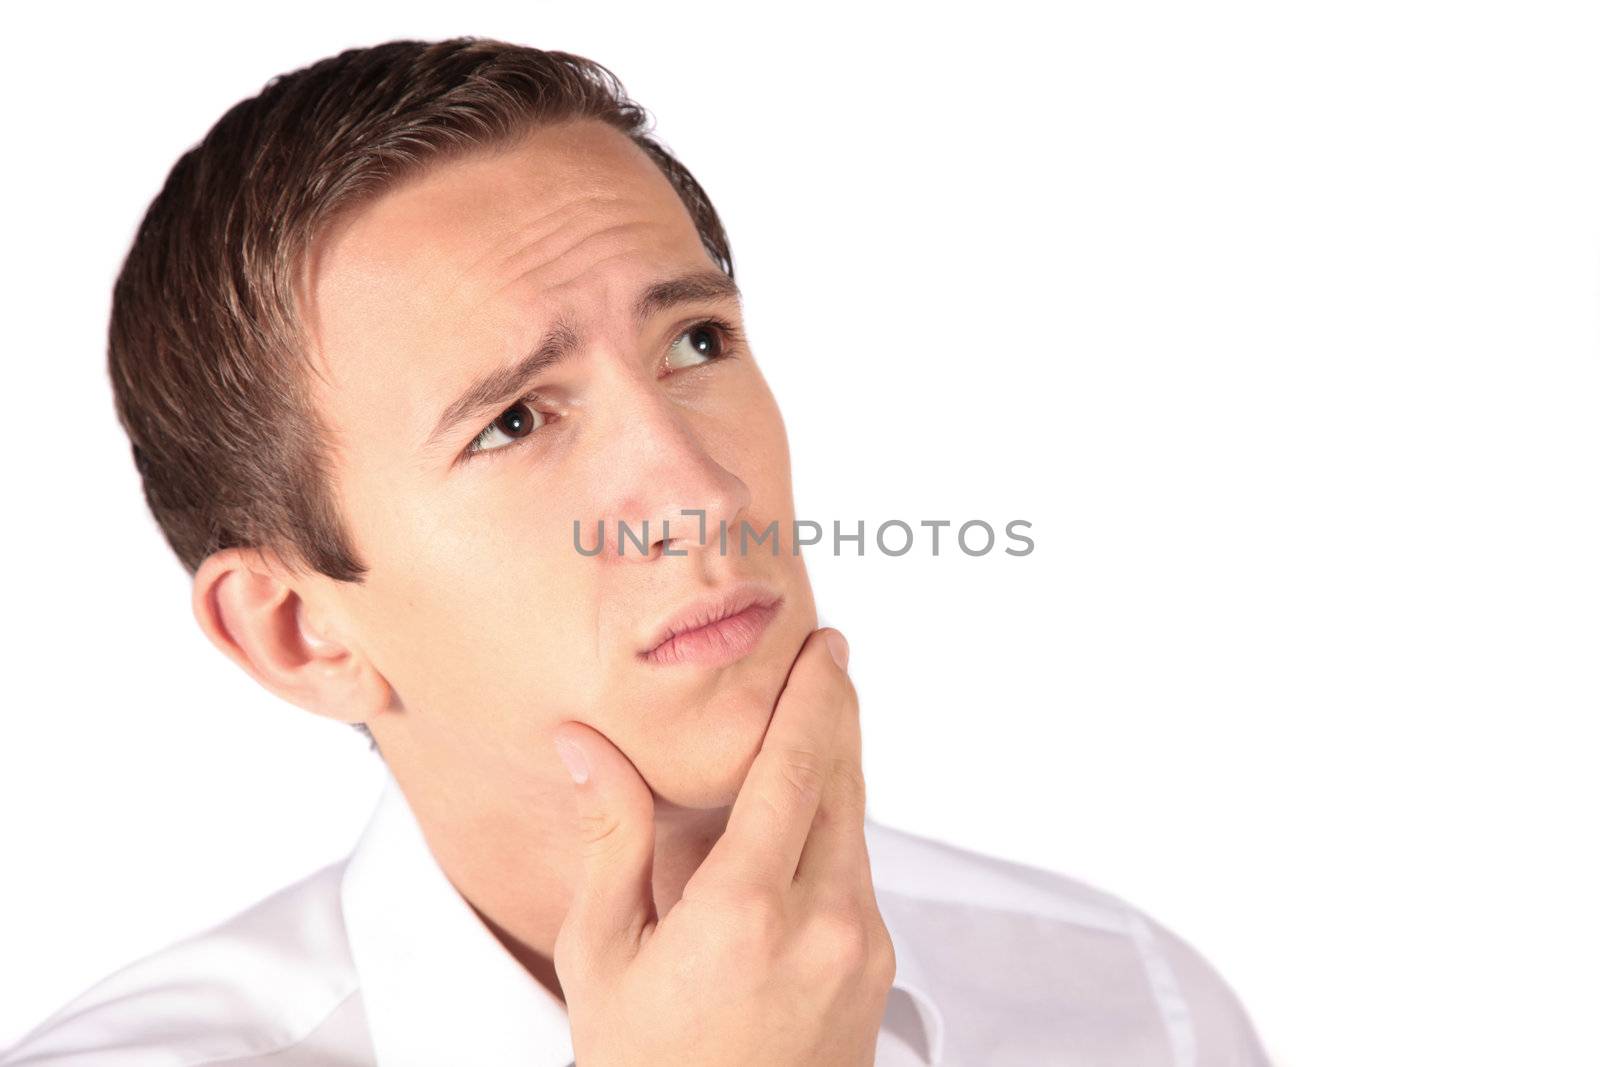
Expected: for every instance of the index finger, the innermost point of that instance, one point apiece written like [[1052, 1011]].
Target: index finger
[[773, 812]]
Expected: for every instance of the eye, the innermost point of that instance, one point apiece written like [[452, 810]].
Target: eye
[[513, 424], [704, 342]]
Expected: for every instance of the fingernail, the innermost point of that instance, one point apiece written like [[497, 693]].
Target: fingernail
[[839, 647], [572, 758]]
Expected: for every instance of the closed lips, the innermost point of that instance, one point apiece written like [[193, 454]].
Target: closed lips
[[710, 610]]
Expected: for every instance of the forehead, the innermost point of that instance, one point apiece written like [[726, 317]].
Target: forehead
[[449, 217], [461, 266]]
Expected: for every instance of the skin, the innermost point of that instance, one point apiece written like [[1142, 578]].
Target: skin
[[775, 953], [480, 629]]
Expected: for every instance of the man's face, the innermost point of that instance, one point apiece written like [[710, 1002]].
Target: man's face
[[478, 609]]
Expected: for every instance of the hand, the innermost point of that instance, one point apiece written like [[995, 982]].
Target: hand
[[776, 953]]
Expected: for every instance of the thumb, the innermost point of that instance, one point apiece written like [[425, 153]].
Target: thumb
[[613, 903]]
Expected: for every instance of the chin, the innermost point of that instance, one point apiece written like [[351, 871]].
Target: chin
[[702, 762], [700, 744]]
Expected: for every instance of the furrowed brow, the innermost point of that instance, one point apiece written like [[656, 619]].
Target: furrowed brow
[[505, 384]]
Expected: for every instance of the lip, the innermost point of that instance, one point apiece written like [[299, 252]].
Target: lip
[[716, 629]]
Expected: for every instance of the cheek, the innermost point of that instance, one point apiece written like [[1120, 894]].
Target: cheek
[[484, 618]]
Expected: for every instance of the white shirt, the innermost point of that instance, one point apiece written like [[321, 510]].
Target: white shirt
[[377, 961]]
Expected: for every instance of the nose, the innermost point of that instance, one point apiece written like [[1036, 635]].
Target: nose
[[662, 490]]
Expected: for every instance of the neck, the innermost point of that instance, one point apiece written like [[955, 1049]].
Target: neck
[[512, 854]]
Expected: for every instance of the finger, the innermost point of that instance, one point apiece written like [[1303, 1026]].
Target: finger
[[772, 814], [613, 903], [834, 859]]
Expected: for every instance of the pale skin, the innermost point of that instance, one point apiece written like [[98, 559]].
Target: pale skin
[[706, 885]]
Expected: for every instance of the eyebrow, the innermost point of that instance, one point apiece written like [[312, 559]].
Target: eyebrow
[[561, 340]]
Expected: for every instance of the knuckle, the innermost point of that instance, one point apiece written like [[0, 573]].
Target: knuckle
[[600, 832], [840, 943], [883, 964], [805, 772], [772, 805], [850, 783]]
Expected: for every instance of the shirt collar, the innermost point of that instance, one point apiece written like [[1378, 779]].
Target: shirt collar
[[422, 954]]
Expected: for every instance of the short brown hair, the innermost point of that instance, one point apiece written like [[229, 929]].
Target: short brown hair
[[208, 364]]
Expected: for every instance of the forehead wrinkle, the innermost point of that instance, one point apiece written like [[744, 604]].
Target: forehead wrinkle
[[568, 252], [526, 238], [589, 209]]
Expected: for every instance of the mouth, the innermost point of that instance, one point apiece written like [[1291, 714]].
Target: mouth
[[716, 630]]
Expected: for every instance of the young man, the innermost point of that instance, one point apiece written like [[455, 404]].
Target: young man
[[388, 337]]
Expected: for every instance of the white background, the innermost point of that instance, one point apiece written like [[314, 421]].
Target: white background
[[1280, 324]]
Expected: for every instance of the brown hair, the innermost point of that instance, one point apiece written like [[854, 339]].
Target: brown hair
[[208, 363]]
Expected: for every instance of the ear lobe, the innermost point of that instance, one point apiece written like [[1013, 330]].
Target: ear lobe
[[258, 618]]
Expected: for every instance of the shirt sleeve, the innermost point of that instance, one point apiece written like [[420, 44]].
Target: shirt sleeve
[[1221, 1030]]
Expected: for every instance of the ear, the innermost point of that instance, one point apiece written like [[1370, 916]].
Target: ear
[[254, 609]]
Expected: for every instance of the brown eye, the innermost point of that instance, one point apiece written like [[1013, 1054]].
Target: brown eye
[[516, 420], [700, 343], [514, 423]]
